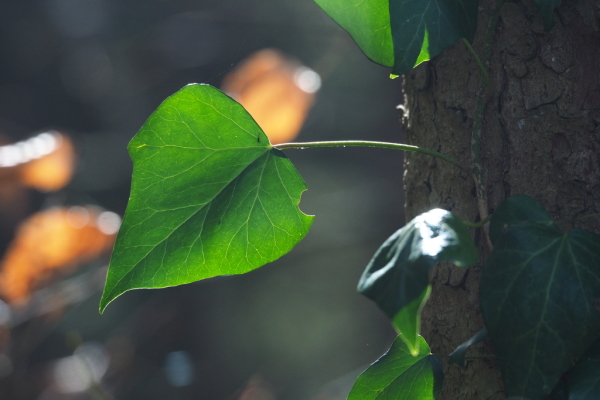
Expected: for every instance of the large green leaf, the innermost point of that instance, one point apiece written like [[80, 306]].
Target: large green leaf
[[538, 289], [368, 22], [584, 377], [397, 277], [399, 375], [209, 196], [404, 33]]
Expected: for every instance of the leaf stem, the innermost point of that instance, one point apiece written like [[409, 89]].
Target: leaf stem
[[484, 72], [478, 224], [588, 216], [366, 143], [482, 101]]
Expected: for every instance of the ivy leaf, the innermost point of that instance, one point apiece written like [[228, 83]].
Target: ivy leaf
[[399, 375], [397, 277], [368, 22], [517, 210], [209, 196], [442, 22], [546, 9], [538, 289], [404, 33], [584, 377]]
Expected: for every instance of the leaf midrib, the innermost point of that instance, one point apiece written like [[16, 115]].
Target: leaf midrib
[[543, 313]]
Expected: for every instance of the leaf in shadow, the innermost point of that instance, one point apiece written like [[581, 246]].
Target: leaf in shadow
[[538, 290], [584, 377]]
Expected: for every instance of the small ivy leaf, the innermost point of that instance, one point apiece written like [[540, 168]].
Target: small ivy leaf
[[546, 9], [400, 375], [368, 22], [437, 24], [458, 355], [207, 197], [537, 294], [404, 33], [584, 377], [397, 277], [408, 320], [518, 210]]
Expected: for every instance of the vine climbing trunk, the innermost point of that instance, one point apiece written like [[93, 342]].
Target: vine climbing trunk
[[539, 127]]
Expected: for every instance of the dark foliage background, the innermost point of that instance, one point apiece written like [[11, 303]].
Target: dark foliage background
[[96, 69]]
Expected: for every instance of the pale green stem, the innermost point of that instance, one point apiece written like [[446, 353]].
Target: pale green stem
[[366, 143], [482, 100], [478, 224], [588, 216], [484, 72]]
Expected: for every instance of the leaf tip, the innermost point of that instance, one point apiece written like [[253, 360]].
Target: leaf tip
[[107, 298]]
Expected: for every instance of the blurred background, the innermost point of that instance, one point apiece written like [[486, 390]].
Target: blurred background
[[78, 78]]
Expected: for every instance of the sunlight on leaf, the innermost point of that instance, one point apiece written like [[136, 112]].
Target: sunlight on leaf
[[209, 196], [276, 91], [397, 278], [400, 375], [368, 22]]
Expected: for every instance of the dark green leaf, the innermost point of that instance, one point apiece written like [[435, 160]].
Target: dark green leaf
[[399, 375], [368, 22], [442, 22], [397, 277], [404, 33], [546, 9], [518, 210], [209, 196], [458, 355], [538, 289], [560, 392], [584, 378]]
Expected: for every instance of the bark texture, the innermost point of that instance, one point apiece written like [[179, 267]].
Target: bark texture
[[540, 137]]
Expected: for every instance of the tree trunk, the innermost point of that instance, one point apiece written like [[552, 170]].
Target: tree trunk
[[540, 137]]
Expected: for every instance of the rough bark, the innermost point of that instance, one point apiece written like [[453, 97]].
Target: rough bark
[[540, 137]]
